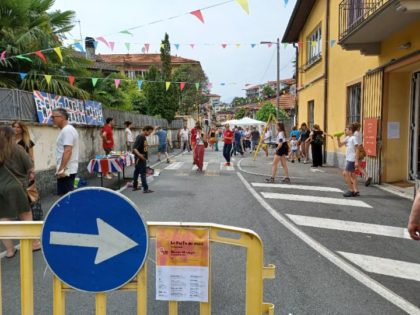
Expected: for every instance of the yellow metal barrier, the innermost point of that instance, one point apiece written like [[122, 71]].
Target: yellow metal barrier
[[255, 270]]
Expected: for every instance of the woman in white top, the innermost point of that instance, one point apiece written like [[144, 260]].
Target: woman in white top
[[281, 154], [129, 140]]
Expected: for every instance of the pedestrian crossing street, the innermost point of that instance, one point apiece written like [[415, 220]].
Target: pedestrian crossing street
[[301, 198], [213, 167]]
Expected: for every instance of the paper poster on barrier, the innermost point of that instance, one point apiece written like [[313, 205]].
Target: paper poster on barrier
[[182, 264], [46, 102], [94, 114]]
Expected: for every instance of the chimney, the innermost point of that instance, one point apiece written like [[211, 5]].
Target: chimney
[[90, 44]]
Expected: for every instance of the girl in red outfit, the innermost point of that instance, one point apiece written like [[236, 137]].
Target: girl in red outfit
[[199, 148]]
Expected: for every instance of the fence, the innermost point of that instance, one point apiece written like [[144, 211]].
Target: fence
[[20, 105], [255, 270]]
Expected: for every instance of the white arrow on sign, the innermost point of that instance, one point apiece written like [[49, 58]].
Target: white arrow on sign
[[109, 241]]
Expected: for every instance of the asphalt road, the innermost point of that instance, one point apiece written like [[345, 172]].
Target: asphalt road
[[327, 261]]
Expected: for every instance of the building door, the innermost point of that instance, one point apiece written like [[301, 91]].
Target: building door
[[415, 128]]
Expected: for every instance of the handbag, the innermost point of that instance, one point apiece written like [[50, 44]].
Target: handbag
[[31, 192]]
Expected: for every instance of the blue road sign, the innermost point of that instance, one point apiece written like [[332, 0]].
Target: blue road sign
[[94, 239]]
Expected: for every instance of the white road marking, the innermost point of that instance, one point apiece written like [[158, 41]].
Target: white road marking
[[385, 266], [341, 263], [315, 170], [205, 164], [174, 166], [316, 199], [227, 168], [350, 226], [302, 187]]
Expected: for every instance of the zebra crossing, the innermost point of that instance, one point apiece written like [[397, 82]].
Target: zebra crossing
[[213, 167], [299, 195]]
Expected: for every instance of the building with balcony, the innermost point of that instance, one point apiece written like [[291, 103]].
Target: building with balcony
[[359, 60]]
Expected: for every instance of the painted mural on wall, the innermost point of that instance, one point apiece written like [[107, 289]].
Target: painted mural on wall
[[80, 112]]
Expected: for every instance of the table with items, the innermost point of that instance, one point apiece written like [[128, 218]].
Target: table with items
[[113, 163]]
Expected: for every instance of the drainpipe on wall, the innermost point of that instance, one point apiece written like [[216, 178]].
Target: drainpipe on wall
[[326, 70], [296, 81]]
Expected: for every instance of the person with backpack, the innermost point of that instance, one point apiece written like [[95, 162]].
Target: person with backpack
[[316, 139]]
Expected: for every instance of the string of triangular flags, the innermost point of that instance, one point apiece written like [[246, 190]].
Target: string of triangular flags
[[146, 46], [117, 82]]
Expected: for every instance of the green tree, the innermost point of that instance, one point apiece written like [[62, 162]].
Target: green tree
[[154, 89], [268, 91], [237, 101], [170, 98], [26, 26], [268, 108], [240, 113]]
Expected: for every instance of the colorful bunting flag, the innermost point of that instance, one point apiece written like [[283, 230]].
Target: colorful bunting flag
[[79, 46], [127, 45], [177, 46], [168, 84], [112, 45], [146, 47], [222, 84], [253, 45], [58, 52], [95, 44], [48, 78], [94, 81], [238, 45], [41, 55], [71, 80], [244, 5], [23, 58], [286, 2], [197, 86], [333, 42], [192, 46], [140, 83], [224, 45], [22, 75], [126, 32], [209, 85], [269, 45], [197, 13], [285, 45], [117, 83], [3, 55], [103, 40], [182, 85]]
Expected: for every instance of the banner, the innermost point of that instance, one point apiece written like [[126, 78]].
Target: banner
[[94, 114], [46, 102]]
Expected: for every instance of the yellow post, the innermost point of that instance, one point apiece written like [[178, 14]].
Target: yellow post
[[270, 119], [26, 277], [100, 304], [205, 308], [142, 290], [58, 297], [173, 308]]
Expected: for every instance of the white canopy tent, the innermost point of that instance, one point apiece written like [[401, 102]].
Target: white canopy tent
[[246, 121]]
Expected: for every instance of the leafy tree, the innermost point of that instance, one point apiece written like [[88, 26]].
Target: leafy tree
[[26, 26], [190, 96], [154, 92], [240, 113], [268, 108], [237, 101], [268, 91]]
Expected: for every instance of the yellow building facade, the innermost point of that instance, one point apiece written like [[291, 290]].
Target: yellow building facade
[[359, 60]]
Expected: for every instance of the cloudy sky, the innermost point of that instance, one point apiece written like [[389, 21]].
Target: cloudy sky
[[228, 69]]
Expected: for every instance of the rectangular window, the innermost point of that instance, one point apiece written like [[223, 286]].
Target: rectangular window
[[314, 44], [354, 103], [311, 108]]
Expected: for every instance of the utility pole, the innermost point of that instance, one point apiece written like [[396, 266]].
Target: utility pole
[[278, 79]]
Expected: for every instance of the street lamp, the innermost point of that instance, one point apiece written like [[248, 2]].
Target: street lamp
[[278, 74]]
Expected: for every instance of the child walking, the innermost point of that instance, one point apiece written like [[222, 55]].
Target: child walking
[[294, 154], [351, 161]]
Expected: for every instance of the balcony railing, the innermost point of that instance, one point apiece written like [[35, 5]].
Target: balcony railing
[[352, 13]]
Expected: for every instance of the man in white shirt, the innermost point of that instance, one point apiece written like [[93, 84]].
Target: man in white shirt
[[66, 152], [185, 136]]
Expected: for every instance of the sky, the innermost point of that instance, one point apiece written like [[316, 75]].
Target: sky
[[229, 69]]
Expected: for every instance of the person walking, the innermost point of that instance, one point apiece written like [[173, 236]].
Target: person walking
[[129, 140], [267, 139], [227, 146], [212, 138], [201, 137], [140, 150], [108, 140], [162, 146], [255, 138], [194, 135], [351, 161], [23, 138], [237, 142], [316, 139], [361, 153], [185, 137], [294, 133], [16, 169], [282, 151], [66, 152], [304, 145]]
